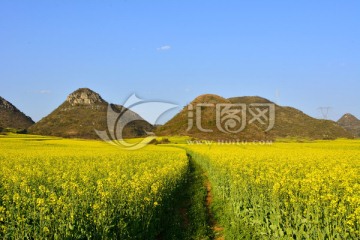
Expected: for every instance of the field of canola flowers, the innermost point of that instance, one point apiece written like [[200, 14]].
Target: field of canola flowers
[[286, 190], [61, 189], [74, 189]]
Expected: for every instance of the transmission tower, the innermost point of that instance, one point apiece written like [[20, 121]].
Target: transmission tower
[[324, 111]]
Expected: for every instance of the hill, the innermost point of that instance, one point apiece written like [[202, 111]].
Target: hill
[[350, 123], [11, 117], [85, 111], [288, 122], [179, 124], [291, 122]]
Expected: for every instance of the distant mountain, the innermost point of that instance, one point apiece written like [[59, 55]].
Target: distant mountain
[[178, 125], [85, 111], [350, 123], [11, 117], [289, 122]]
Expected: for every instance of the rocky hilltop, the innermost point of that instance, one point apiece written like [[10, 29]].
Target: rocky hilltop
[[11, 117], [84, 96], [6, 105], [350, 123], [85, 111]]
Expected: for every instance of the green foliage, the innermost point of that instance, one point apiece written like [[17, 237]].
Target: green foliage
[[190, 218]]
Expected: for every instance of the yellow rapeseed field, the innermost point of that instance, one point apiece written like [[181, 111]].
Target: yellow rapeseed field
[[285, 190], [55, 188], [65, 189]]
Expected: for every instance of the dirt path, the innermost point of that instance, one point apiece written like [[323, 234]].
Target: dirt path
[[216, 228], [192, 216]]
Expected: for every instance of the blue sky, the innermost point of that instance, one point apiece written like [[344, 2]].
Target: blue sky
[[304, 54]]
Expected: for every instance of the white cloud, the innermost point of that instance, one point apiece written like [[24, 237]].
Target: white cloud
[[164, 48], [44, 92]]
